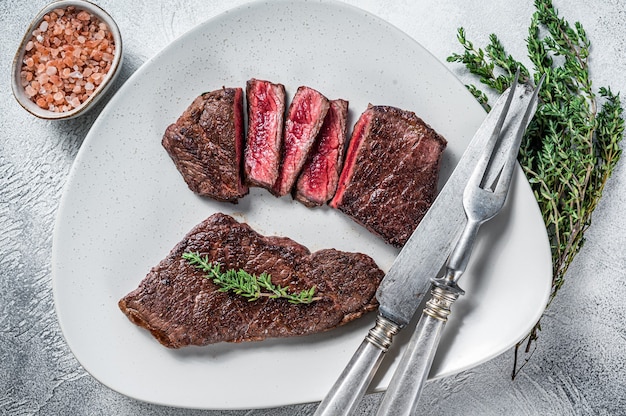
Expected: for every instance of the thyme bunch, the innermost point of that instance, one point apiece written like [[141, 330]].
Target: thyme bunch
[[571, 146], [248, 285]]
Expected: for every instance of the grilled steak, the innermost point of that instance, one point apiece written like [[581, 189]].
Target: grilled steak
[[318, 180], [266, 112], [389, 178], [206, 144], [180, 307], [304, 119]]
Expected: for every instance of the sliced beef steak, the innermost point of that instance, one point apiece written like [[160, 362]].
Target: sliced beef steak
[[266, 113], [304, 119], [318, 180], [389, 178], [180, 307], [206, 145]]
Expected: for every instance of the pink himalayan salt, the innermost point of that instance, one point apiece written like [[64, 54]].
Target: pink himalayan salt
[[71, 51]]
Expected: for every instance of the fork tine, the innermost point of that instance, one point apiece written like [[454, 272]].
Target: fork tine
[[504, 178], [481, 167], [480, 203]]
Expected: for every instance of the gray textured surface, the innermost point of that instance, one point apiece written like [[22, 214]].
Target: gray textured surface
[[579, 366]]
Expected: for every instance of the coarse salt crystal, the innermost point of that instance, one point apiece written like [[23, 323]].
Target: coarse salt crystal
[[43, 78], [43, 26], [30, 91], [51, 70], [83, 16]]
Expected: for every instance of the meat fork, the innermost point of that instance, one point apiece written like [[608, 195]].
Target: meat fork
[[483, 198]]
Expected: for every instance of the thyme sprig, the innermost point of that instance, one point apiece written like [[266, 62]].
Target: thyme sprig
[[573, 143], [248, 285]]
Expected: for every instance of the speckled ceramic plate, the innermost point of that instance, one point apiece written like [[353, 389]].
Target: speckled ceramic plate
[[125, 206]]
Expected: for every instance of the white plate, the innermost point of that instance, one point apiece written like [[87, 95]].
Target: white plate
[[125, 206]]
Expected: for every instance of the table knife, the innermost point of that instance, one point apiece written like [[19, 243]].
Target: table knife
[[408, 280]]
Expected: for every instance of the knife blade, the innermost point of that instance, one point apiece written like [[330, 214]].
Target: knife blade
[[482, 200], [408, 280]]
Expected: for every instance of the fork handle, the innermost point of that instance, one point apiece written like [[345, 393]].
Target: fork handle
[[411, 374]]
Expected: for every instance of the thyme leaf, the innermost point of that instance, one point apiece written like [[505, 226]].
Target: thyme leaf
[[572, 145], [248, 285]]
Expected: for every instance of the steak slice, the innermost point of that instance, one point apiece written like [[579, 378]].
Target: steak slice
[[318, 180], [206, 145], [181, 307], [304, 119], [266, 113], [390, 175]]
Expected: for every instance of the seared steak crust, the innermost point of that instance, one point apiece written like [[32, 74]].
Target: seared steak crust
[[181, 307], [206, 144], [389, 179]]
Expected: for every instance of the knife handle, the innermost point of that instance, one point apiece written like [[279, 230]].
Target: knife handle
[[345, 395], [411, 374]]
